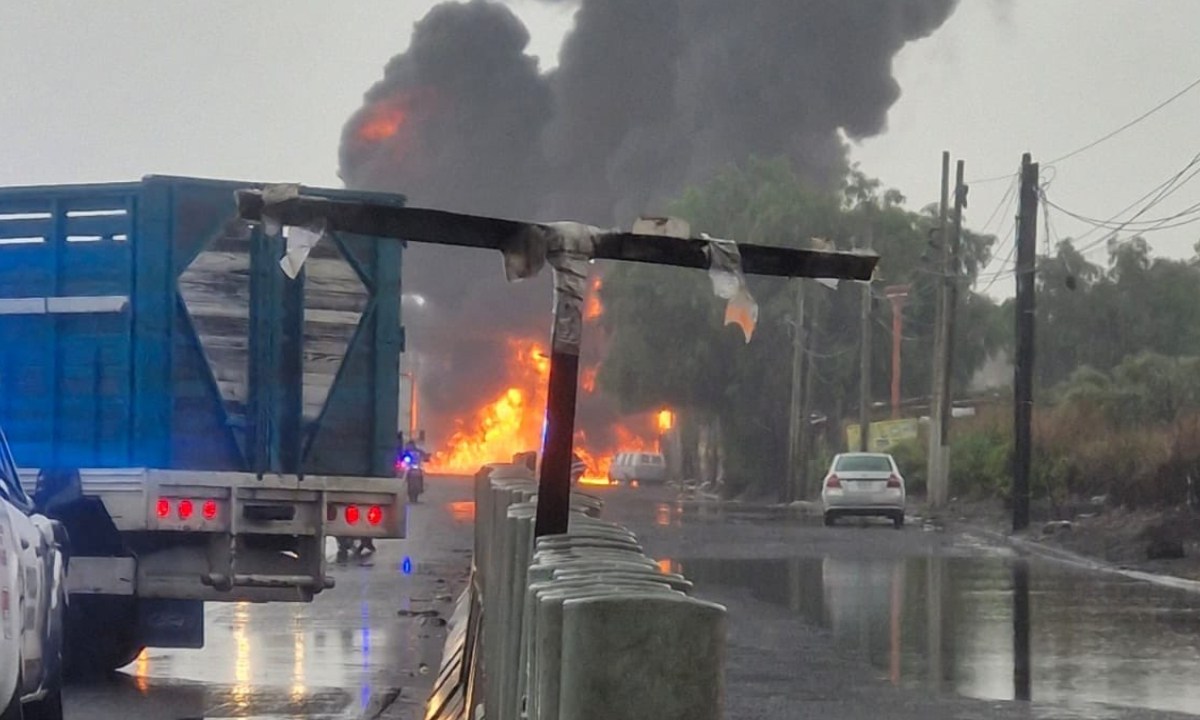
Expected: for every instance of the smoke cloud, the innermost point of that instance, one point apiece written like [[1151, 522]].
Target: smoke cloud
[[648, 97]]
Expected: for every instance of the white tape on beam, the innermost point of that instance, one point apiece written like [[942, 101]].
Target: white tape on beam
[[66, 305]]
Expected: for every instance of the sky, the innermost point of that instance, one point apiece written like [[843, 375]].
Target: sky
[[93, 92]]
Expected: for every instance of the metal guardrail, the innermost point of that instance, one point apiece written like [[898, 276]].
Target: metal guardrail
[[577, 626]]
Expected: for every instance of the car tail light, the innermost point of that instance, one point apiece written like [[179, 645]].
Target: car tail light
[[833, 482], [163, 509], [185, 509], [374, 515], [352, 514], [894, 482], [209, 509]]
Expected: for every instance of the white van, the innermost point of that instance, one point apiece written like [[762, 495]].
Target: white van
[[639, 467]]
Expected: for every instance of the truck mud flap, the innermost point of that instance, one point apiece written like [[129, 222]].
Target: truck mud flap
[[171, 623]]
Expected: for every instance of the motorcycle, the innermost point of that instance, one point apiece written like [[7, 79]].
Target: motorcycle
[[410, 469]]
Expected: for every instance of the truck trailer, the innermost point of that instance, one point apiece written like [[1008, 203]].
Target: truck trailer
[[223, 417]]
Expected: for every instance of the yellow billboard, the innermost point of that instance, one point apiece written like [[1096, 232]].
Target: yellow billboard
[[884, 435]]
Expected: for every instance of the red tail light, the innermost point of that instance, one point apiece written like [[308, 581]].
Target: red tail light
[[833, 482], [163, 509], [894, 482], [331, 513], [209, 509], [185, 509], [374, 515], [352, 514]]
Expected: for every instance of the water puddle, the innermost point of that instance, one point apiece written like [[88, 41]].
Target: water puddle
[[992, 628]]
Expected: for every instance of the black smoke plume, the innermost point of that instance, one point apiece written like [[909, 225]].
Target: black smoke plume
[[648, 97]]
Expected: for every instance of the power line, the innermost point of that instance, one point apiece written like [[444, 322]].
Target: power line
[[1190, 86], [1167, 189]]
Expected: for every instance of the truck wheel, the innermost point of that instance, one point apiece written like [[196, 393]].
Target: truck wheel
[[48, 708], [13, 711], [101, 635]]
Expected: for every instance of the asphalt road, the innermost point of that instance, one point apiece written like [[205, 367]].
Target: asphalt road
[[857, 621], [865, 621], [365, 649]]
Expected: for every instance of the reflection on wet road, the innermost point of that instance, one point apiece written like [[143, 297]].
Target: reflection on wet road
[[947, 623], [343, 656]]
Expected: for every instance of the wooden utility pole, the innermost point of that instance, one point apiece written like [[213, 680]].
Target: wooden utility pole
[[950, 319], [897, 294], [806, 433], [1023, 367], [936, 480], [864, 365], [796, 422]]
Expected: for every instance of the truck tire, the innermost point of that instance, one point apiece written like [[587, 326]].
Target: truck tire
[[48, 708], [13, 710], [101, 635]]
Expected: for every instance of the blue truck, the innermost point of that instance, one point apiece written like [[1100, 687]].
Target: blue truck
[[221, 417]]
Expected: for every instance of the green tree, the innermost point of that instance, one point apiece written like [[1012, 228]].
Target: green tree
[[667, 344]]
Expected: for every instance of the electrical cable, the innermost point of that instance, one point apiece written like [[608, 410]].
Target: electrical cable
[[1190, 86]]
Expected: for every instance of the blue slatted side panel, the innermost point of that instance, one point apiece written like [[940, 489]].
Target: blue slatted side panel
[[66, 377]]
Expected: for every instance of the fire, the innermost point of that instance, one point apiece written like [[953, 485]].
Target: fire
[[513, 422], [508, 424], [383, 121], [593, 309], [587, 379]]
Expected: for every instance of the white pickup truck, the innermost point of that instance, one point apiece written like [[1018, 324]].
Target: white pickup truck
[[32, 603]]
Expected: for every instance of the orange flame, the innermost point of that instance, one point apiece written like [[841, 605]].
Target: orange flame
[[592, 307], [587, 379], [508, 424], [383, 121], [666, 420], [513, 422]]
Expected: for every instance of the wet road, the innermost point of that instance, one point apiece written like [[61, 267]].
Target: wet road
[[356, 651], [842, 622], [933, 612]]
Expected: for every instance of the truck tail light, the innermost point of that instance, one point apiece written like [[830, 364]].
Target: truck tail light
[[894, 482], [374, 515], [209, 510], [352, 514], [163, 509], [185, 509], [833, 481]]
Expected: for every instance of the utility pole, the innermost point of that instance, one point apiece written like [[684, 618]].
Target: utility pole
[[796, 421], [806, 435], [864, 366], [1023, 367], [950, 319], [897, 294], [936, 480]]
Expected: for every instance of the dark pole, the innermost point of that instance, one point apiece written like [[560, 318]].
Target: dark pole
[[554, 484], [955, 240], [1022, 670], [1023, 368], [864, 367]]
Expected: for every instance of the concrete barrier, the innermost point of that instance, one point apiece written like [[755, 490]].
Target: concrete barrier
[[575, 626], [630, 657]]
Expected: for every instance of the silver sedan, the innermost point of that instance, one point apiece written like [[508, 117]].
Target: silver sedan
[[863, 484]]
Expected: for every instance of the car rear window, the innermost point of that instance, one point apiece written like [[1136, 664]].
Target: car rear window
[[864, 463]]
